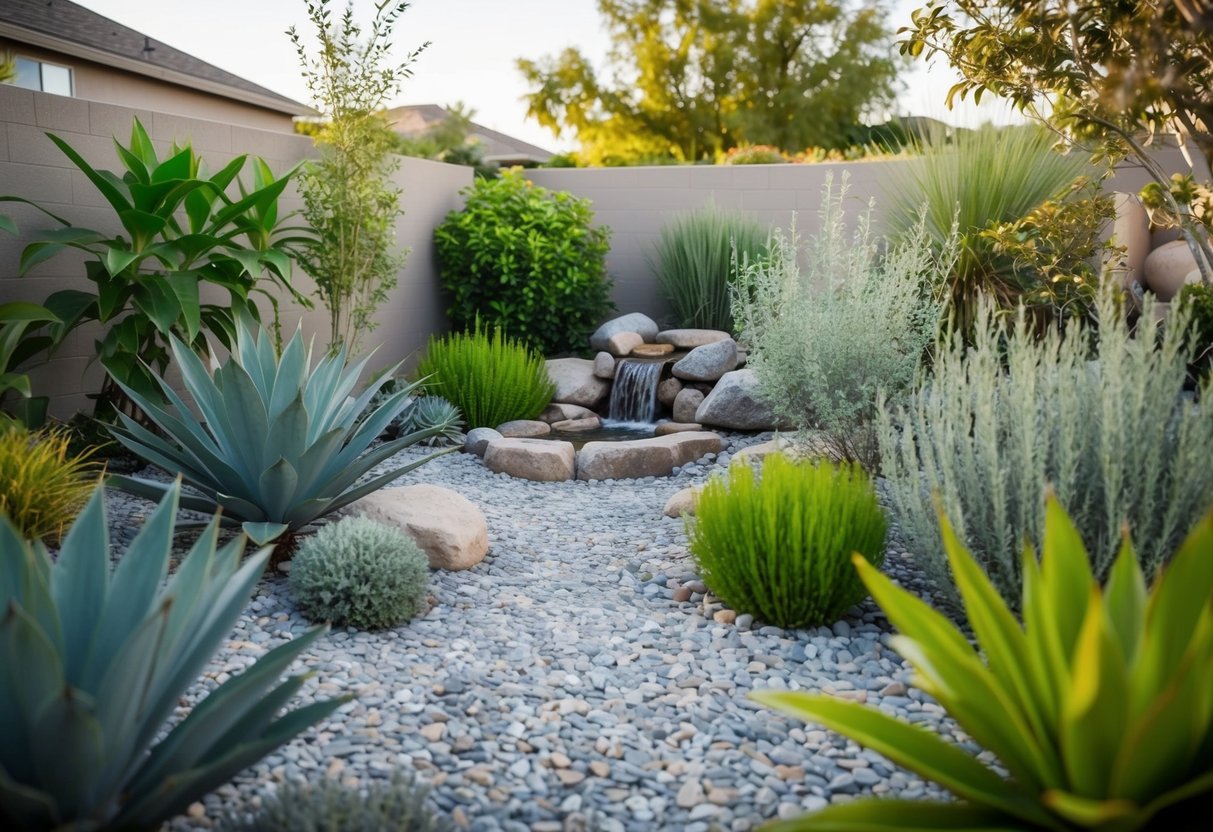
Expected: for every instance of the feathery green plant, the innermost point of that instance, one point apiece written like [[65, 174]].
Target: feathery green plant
[[282, 444], [826, 339], [491, 379], [43, 485], [696, 259], [94, 660], [780, 546], [979, 180], [1111, 430]]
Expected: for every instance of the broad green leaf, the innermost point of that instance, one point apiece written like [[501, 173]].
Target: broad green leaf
[[263, 533], [113, 194]]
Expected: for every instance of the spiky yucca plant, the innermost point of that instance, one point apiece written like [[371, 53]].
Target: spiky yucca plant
[[94, 660], [42, 484], [283, 443]]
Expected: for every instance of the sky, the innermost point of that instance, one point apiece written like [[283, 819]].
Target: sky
[[474, 45]]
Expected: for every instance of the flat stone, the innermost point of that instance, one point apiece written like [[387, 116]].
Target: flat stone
[[524, 429], [685, 339], [682, 502], [636, 322], [778, 445], [560, 412], [668, 390], [622, 343], [448, 527], [686, 405], [708, 362], [578, 425], [478, 439], [576, 383], [652, 350], [604, 365], [666, 428], [541, 460], [655, 457], [734, 403]]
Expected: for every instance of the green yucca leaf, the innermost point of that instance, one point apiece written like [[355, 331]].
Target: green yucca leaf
[[898, 816], [1121, 739], [278, 446]]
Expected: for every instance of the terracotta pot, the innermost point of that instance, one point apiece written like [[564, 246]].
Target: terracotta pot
[[1168, 267], [1130, 229]]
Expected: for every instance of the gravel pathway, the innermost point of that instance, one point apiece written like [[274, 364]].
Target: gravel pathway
[[579, 678]]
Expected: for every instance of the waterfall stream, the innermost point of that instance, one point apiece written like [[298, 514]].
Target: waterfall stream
[[634, 394]]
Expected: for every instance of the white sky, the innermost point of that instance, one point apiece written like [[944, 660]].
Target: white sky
[[474, 46]]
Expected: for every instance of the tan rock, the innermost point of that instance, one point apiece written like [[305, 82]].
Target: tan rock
[[690, 794], [668, 390], [686, 339], [569, 777], [600, 769], [448, 527], [622, 343], [524, 429], [724, 616], [686, 405], [578, 425], [560, 412], [433, 732], [541, 460], [682, 502], [666, 428], [654, 457], [652, 350], [604, 365], [576, 383]]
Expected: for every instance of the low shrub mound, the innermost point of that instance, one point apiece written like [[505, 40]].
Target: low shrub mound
[[360, 573], [491, 378], [779, 546], [43, 485]]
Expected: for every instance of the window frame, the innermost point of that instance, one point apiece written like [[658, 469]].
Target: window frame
[[71, 75]]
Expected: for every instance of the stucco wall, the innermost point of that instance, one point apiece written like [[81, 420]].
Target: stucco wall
[[32, 167]]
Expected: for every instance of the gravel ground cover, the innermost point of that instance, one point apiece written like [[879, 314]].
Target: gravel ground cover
[[580, 677]]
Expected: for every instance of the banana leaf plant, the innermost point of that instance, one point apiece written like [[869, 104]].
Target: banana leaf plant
[[21, 338], [181, 232]]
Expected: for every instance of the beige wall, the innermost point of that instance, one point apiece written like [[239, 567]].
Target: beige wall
[[105, 84], [31, 166]]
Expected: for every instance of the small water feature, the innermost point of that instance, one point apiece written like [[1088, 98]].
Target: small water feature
[[634, 394]]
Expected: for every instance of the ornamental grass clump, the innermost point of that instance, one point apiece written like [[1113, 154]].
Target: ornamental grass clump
[[779, 546], [1108, 427], [491, 378], [1098, 706], [360, 573], [43, 485], [695, 261]]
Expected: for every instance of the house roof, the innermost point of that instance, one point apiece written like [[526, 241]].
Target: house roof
[[71, 29], [415, 119]]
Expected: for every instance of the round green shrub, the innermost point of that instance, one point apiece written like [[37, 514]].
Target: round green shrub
[[360, 573], [779, 546], [525, 259], [397, 805], [491, 379]]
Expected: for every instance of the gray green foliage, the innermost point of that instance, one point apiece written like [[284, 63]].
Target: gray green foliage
[[1109, 429], [348, 195], [780, 546], [435, 412], [360, 573], [696, 258], [827, 337], [491, 378], [280, 442], [327, 806], [95, 656]]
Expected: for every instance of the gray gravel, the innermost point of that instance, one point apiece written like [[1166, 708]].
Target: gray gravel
[[580, 677]]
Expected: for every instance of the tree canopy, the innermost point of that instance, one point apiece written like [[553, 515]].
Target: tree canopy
[[686, 80]]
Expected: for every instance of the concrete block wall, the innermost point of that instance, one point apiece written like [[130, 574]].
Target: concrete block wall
[[32, 167]]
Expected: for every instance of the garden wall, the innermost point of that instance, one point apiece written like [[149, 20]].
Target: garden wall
[[32, 167]]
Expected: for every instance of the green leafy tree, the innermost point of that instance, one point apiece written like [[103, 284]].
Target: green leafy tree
[[348, 195], [1113, 73], [450, 141], [690, 79], [8, 68]]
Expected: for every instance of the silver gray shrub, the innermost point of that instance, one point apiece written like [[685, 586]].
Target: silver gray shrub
[[832, 323], [1107, 426]]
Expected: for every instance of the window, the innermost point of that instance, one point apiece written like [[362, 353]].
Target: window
[[39, 75]]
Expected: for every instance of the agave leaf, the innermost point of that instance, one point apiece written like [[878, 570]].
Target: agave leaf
[[1065, 577], [898, 816], [277, 486], [315, 462], [263, 533], [287, 436], [24, 806], [151, 447], [1094, 813], [288, 380], [80, 583], [247, 433], [32, 675], [1125, 595], [156, 490], [1195, 787], [69, 751]]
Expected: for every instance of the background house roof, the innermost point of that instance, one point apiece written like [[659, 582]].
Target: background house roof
[[415, 119], [74, 30]]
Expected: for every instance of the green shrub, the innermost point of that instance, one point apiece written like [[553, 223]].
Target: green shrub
[[491, 379], [360, 573], [981, 179], [780, 546], [43, 485], [328, 806], [527, 260], [826, 339], [95, 657], [1197, 300], [1111, 432], [1096, 709], [435, 412], [697, 256], [757, 154]]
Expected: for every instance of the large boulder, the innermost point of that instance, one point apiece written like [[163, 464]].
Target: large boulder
[[709, 362], [685, 339], [448, 527], [524, 429], [655, 457], [557, 412], [576, 383], [686, 404], [478, 439], [637, 322], [734, 403], [542, 460]]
